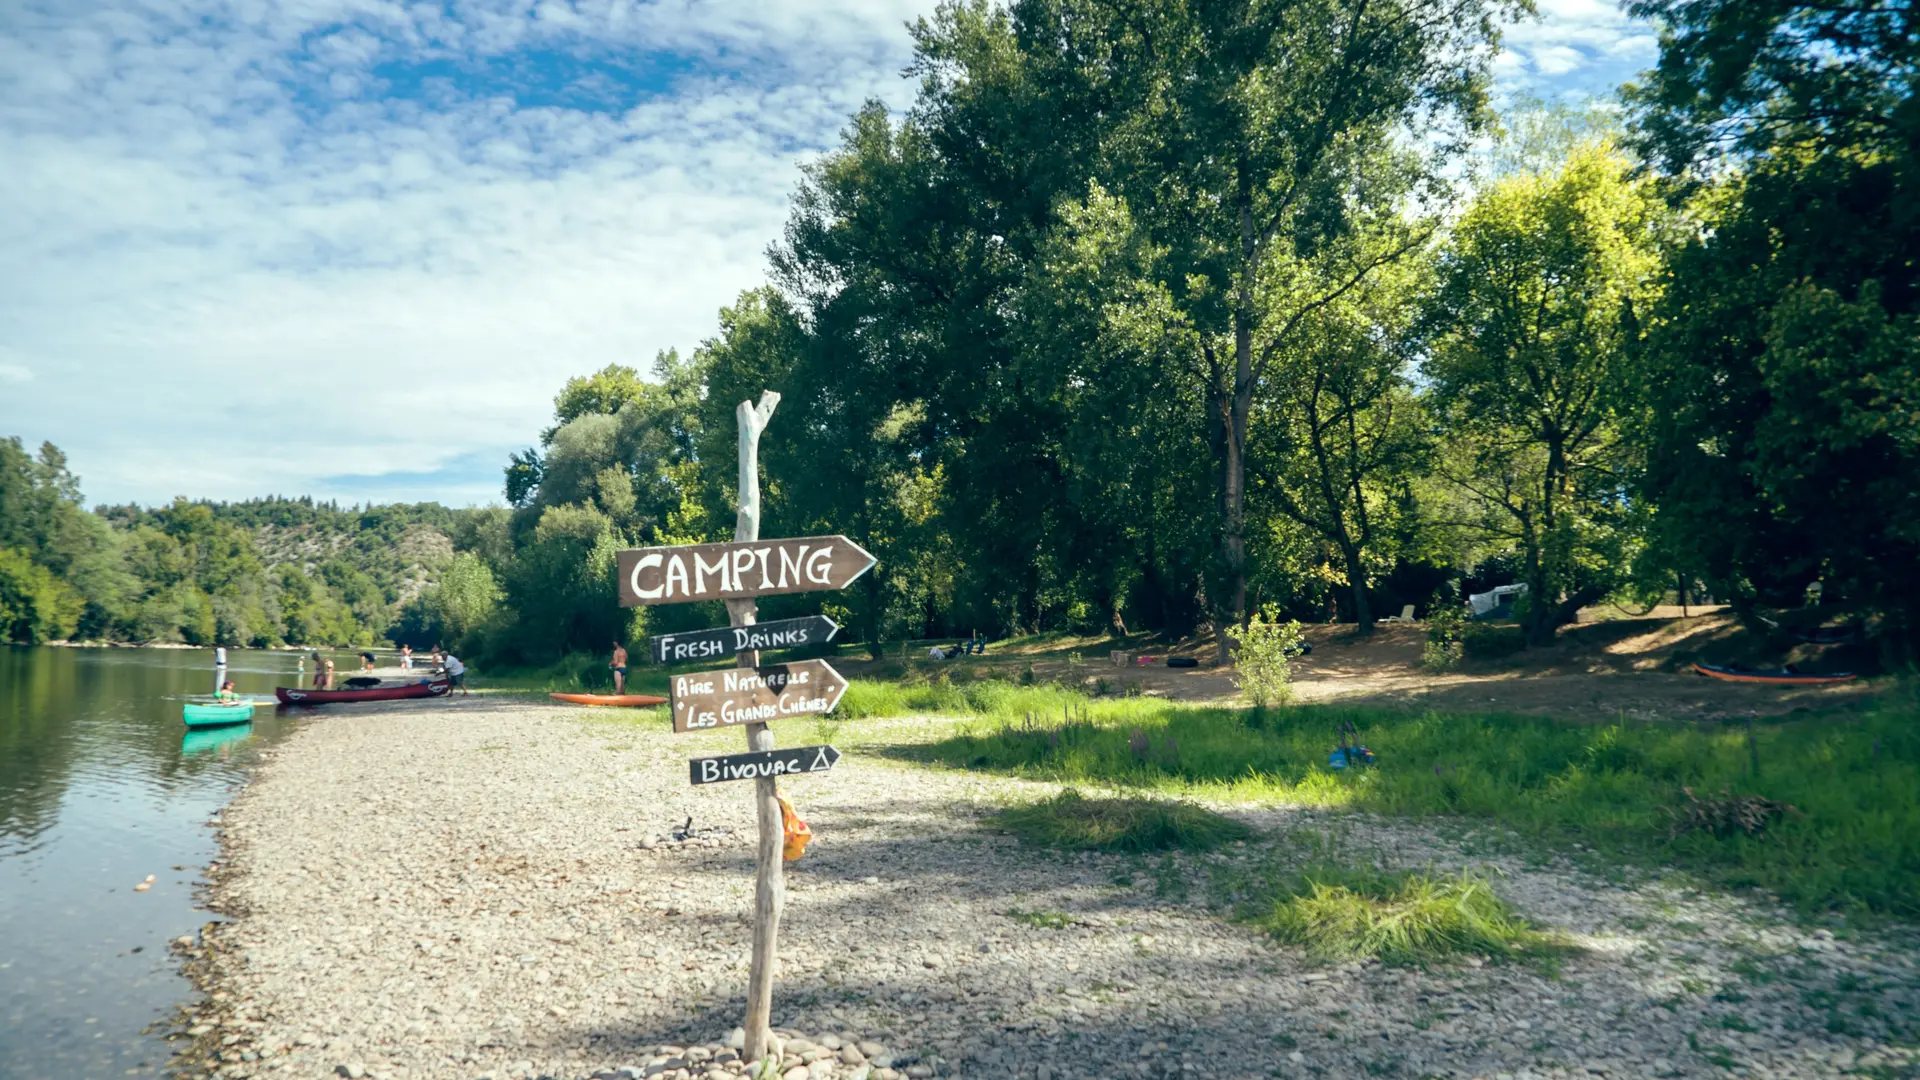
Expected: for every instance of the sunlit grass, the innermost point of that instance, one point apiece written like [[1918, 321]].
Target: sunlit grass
[[1342, 914], [1853, 841]]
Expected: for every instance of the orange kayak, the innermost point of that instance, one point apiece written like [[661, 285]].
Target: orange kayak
[[1775, 678], [632, 700]]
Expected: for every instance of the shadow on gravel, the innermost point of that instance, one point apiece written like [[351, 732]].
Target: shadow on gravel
[[930, 943]]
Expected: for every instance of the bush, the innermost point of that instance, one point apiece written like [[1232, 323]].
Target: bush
[[1481, 641], [1446, 623], [1069, 820], [1263, 657]]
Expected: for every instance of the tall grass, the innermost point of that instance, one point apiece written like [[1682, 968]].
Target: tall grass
[[1340, 914], [1852, 842], [1070, 820]]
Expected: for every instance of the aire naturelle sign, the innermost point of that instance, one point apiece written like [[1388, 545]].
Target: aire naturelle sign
[[746, 568], [730, 696]]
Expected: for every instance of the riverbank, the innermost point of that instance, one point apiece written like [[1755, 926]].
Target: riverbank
[[480, 888]]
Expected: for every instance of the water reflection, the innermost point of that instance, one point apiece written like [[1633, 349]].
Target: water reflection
[[100, 785]]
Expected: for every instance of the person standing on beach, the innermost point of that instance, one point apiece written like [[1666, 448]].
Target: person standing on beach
[[456, 675], [406, 658], [619, 666]]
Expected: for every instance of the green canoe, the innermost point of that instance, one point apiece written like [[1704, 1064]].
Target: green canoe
[[208, 716]]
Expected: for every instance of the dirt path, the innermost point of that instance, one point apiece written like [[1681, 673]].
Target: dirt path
[[1606, 671], [477, 889]]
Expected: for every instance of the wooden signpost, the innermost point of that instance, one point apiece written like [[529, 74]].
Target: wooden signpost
[[730, 696], [742, 569], [798, 759], [748, 694], [724, 641]]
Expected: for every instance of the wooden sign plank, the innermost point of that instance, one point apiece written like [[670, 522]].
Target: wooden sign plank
[[724, 641], [730, 696], [746, 568], [796, 759]]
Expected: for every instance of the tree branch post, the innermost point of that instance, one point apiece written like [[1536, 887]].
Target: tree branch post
[[769, 892]]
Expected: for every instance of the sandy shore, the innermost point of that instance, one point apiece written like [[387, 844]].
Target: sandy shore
[[476, 888]]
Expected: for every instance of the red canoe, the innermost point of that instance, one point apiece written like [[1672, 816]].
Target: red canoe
[[296, 696], [637, 701]]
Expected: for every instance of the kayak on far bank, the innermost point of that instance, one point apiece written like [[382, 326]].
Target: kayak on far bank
[[297, 696], [637, 701]]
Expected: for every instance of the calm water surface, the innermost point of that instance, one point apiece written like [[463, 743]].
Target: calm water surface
[[100, 785]]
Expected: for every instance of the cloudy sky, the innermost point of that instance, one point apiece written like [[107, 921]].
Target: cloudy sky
[[350, 248]]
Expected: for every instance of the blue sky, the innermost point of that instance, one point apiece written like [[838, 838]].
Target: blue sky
[[351, 248]]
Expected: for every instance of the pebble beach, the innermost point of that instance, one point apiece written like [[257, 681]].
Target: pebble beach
[[499, 887]]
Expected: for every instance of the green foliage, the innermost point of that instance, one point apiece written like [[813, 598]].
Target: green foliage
[[1535, 318], [1263, 653], [1491, 641], [1855, 843], [1446, 631], [35, 606], [1339, 914], [1072, 821]]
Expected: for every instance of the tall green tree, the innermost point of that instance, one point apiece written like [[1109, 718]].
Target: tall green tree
[[1780, 400], [1338, 434], [1533, 320], [1240, 136]]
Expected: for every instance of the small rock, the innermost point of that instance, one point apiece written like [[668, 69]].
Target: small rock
[[306, 1038], [798, 1046], [831, 1042], [851, 1055], [351, 1071], [1296, 1057], [184, 942], [737, 1039], [1043, 1073], [798, 1072], [520, 1069], [920, 1072], [872, 1049]]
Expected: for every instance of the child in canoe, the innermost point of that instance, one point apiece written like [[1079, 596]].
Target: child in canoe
[[226, 696]]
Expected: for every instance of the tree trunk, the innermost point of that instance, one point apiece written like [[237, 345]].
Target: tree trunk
[[1232, 603], [1357, 578]]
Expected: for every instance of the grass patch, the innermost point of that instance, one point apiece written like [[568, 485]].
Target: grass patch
[[1070, 820], [1341, 914], [1852, 841], [1043, 919]]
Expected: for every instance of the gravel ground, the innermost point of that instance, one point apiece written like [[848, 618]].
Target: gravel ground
[[481, 888]]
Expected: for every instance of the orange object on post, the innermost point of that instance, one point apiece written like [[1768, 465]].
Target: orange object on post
[[795, 828]]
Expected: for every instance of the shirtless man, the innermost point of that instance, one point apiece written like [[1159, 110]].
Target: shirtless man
[[619, 666]]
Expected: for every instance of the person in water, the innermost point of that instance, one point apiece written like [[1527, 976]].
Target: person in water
[[323, 678], [406, 658], [619, 666], [456, 675], [366, 662], [226, 696]]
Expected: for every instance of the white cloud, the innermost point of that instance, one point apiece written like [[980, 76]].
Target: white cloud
[[237, 281], [1576, 48], [250, 248]]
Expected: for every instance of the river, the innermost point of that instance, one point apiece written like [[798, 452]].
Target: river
[[101, 786]]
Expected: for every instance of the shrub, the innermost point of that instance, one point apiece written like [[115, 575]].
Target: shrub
[[1446, 623], [1482, 641], [1069, 820], [1263, 657]]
